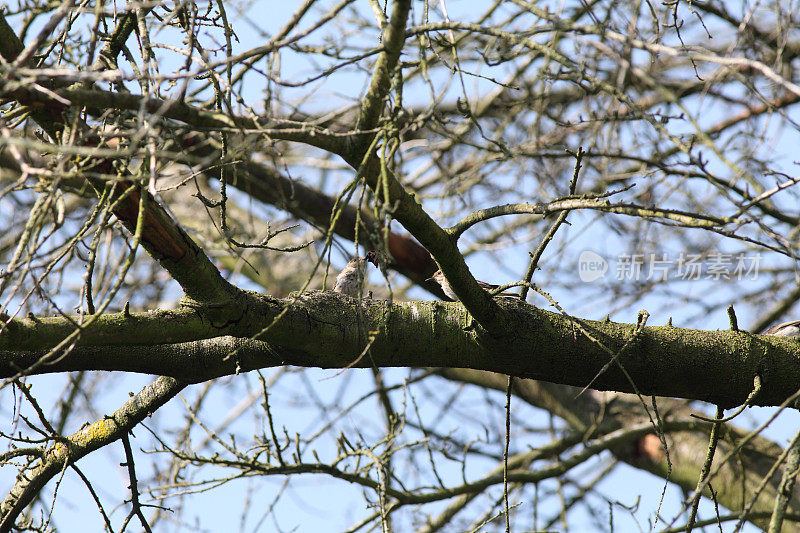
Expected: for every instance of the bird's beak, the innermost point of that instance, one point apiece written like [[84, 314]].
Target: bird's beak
[[430, 279]]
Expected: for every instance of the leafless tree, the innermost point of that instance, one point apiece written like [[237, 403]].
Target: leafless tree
[[179, 182]]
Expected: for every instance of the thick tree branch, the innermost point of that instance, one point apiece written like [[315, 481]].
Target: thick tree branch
[[317, 330]]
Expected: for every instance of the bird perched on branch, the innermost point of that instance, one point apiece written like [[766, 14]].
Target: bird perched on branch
[[439, 278], [787, 329], [350, 280]]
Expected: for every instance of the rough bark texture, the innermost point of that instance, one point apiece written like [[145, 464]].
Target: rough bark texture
[[330, 331]]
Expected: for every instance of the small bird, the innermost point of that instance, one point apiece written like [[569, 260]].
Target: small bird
[[439, 278], [787, 329], [350, 280]]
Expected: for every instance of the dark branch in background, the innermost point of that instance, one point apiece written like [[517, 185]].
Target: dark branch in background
[[267, 185], [581, 415], [161, 237]]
